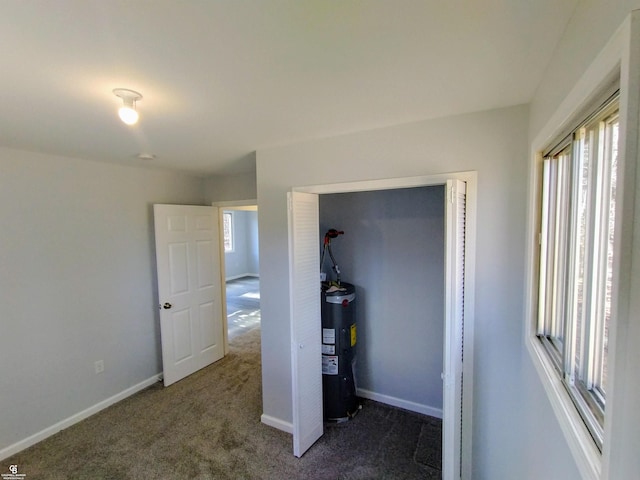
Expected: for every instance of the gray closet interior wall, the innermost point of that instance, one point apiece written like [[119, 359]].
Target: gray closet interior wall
[[393, 251]]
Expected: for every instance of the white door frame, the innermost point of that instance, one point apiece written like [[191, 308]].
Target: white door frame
[[470, 178], [228, 205], [452, 372]]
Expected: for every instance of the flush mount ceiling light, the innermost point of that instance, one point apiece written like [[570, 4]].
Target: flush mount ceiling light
[[127, 112]]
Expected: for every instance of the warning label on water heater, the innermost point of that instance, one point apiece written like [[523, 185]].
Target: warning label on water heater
[[329, 335], [329, 364], [328, 349]]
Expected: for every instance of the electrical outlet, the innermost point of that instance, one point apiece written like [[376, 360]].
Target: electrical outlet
[[99, 365]]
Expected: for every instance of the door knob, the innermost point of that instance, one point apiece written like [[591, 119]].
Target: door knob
[[167, 306]]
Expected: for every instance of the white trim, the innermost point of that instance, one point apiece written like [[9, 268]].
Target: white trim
[[78, 417], [469, 321], [388, 183], [223, 280], [249, 204], [400, 403], [277, 423], [607, 64], [619, 456], [595, 77], [587, 456]]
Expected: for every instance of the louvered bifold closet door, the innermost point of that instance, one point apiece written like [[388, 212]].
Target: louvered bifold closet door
[[306, 352], [455, 213]]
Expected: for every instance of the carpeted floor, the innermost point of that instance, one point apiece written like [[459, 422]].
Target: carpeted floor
[[243, 305], [207, 426]]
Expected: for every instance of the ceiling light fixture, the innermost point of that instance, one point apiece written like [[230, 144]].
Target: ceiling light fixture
[[127, 112]]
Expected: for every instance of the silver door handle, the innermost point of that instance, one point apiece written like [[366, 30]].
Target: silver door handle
[[167, 306]]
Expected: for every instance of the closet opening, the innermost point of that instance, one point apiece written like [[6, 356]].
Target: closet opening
[[408, 248]]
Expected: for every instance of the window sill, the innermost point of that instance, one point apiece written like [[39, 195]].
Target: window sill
[[585, 453]]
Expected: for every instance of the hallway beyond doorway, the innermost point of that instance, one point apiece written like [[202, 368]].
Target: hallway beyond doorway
[[243, 305]]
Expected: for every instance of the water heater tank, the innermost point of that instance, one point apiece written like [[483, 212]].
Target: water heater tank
[[339, 353]]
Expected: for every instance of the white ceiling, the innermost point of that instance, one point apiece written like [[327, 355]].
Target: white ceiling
[[221, 79]]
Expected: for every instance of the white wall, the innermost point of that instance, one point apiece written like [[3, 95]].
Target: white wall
[[494, 143], [77, 284], [240, 186], [592, 25], [393, 252]]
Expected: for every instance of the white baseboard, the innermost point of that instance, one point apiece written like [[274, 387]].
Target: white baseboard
[[386, 399], [277, 423], [73, 419], [400, 403]]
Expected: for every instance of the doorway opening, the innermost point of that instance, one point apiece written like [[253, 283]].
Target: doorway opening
[[240, 267]]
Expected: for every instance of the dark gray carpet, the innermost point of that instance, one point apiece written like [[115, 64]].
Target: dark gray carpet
[[207, 426], [429, 448]]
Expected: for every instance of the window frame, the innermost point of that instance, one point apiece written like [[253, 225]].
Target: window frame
[[576, 257], [228, 232]]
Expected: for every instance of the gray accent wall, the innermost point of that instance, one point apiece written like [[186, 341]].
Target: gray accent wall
[[393, 252]]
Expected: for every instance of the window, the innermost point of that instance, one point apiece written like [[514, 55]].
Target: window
[[576, 257], [227, 218]]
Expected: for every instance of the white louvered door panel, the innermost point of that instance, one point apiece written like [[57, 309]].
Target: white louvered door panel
[[306, 355], [455, 214]]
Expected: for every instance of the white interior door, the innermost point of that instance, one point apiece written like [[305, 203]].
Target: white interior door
[[455, 215], [189, 288], [306, 354]]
